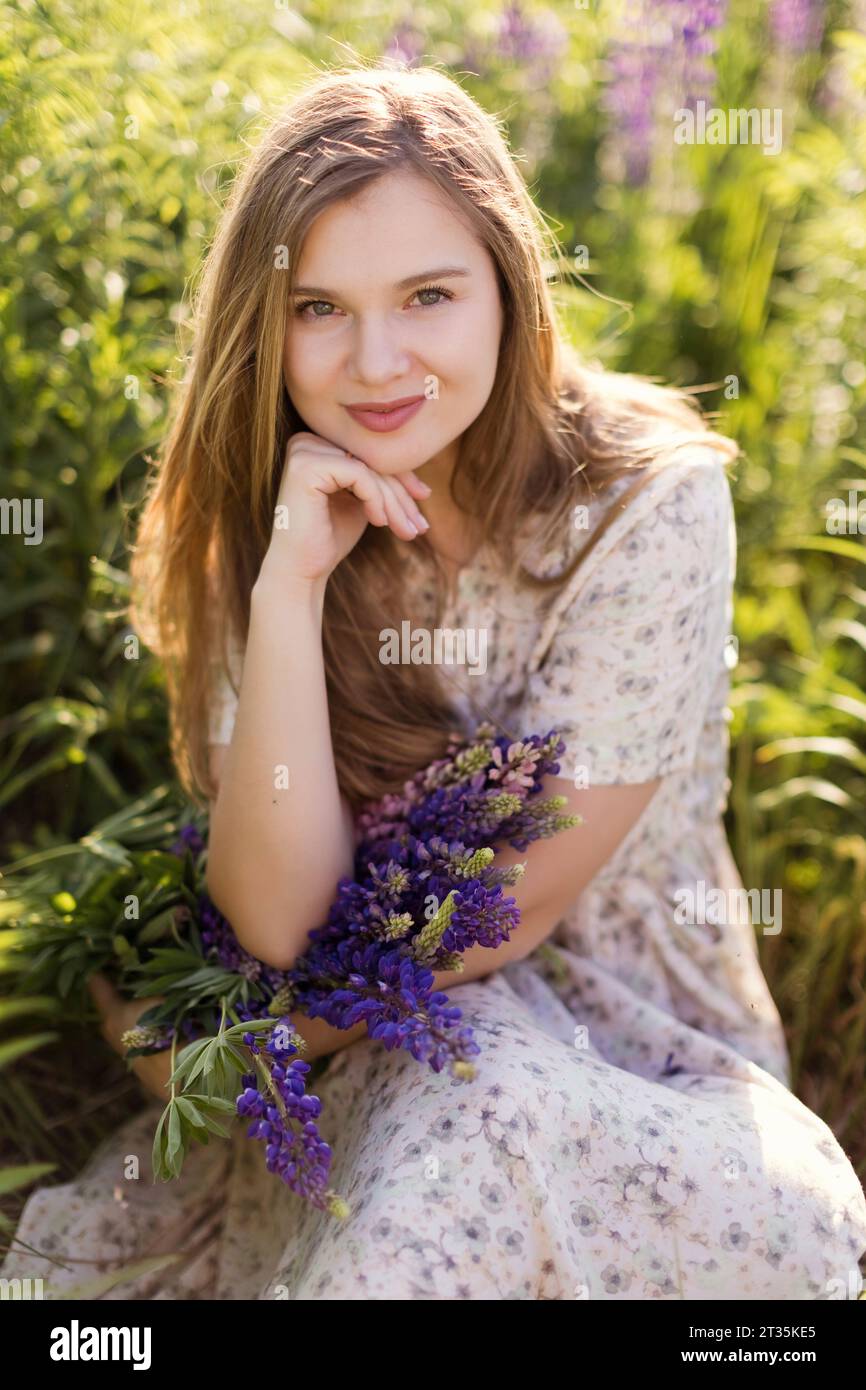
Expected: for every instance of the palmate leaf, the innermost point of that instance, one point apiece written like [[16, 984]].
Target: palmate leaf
[[209, 980], [185, 1070], [218, 1061], [173, 968], [156, 927], [201, 1112], [172, 959], [187, 1120]]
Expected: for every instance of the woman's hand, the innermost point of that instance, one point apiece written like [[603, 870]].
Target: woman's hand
[[327, 498], [118, 1015]]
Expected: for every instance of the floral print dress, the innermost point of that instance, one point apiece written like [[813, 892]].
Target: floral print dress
[[630, 1133]]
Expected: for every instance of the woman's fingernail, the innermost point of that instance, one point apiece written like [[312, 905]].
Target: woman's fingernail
[[422, 523]]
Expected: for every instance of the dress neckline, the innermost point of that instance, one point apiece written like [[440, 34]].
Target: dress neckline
[[464, 575], [461, 579]]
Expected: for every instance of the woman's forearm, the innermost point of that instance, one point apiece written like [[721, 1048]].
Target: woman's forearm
[[279, 835], [479, 961]]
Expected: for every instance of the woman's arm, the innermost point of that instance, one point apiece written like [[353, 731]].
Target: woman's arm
[[280, 834], [557, 870], [276, 852]]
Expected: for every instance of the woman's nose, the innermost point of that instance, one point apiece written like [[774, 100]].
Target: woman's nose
[[378, 350]]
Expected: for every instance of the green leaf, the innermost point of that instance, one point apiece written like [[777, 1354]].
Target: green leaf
[[189, 1111], [216, 1128], [157, 927], [19, 1047], [184, 1063], [255, 1025], [105, 849], [175, 1136], [13, 1008], [815, 787], [216, 1103], [94, 1288], [160, 1171], [13, 1178], [834, 545], [210, 1056]]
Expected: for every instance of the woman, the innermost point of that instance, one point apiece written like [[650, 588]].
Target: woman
[[382, 425]]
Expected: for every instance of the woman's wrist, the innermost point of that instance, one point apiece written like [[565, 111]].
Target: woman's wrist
[[275, 583]]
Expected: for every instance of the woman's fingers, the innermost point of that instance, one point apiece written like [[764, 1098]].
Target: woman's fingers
[[367, 490], [387, 500], [407, 486], [108, 1002], [409, 513], [350, 475], [414, 485], [378, 493], [118, 1014]]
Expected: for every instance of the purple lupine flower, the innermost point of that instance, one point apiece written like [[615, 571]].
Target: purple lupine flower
[[361, 964], [189, 838], [481, 917], [284, 1116], [797, 25], [156, 1037], [219, 941], [425, 890], [695, 23], [405, 47], [535, 40], [667, 65], [629, 100]]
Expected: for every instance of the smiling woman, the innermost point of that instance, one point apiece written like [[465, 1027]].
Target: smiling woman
[[631, 1132], [376, 334]]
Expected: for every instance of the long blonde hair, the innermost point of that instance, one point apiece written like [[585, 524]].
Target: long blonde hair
[[554, 430]]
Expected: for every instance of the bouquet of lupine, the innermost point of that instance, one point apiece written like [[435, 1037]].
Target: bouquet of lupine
[[426, 889]]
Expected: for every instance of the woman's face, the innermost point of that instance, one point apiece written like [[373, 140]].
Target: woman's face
[[370, 333]]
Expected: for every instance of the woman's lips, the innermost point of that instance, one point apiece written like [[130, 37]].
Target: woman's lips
[[383, 421]]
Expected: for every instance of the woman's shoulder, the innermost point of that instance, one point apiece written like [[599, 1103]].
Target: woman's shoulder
[[686, 499]]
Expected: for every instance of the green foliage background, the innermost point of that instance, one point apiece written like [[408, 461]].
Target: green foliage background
[[120, 129]]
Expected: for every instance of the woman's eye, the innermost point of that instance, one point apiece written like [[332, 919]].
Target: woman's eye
[[442, 295], [311, 304], [434, 289]]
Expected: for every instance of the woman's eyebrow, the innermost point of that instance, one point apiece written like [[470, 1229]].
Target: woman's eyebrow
[[445, 272]]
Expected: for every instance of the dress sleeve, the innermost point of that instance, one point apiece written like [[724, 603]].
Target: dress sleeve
[[223, 703], [635, 649]]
